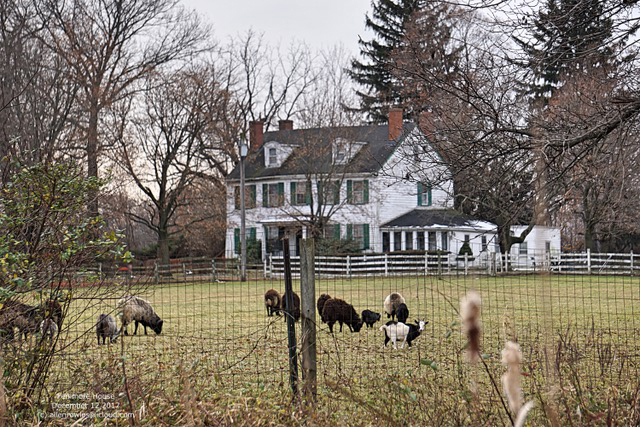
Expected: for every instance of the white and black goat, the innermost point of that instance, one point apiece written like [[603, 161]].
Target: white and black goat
[[398, 331]]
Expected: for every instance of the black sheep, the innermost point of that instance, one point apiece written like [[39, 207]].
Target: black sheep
[[295, 310], [337, 310], [369, 317], [272, 302], [402, 313], [323, 298]]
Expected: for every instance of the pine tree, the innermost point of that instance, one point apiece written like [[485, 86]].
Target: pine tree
[[381, 88], [569, 37]]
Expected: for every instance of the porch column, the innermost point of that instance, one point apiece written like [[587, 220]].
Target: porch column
[[403, 243], [391, 240], [415, 240], [304, 231]]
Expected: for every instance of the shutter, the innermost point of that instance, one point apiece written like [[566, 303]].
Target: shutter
[[320, 194], [252, 233], [336, 231], [366, 191], [236, 240], [336, 192], [349, 231], [365, 233], [293, 193], [349, 190], [252, 195], [265, 195], [429, 196], [280, 193], [419, 194], [307, 193]]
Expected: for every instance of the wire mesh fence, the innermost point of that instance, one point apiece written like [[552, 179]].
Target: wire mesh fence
[[219, 326]]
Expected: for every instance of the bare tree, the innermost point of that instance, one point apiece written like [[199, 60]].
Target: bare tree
[[108, 46], [331, 99], [476, 122], [172, 124], [36, 100]]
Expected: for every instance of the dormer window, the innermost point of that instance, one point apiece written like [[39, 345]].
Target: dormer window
[[340, 154], [273, 157]]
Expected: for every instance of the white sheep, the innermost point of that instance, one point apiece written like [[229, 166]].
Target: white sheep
[[391, 303]]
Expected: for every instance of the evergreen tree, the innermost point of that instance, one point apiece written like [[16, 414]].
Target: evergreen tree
[[568, 37], [381, 88]]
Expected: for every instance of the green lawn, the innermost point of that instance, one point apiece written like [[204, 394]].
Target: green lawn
[[218, 336]]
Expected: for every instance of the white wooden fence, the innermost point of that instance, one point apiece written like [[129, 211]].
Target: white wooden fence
[[485, 263]]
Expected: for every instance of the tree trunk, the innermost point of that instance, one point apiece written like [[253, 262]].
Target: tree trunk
[[92, 157], [163, 246]]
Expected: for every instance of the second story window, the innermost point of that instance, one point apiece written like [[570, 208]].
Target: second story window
[[273, 157], [273, 195], [358, 192], [329, 192], [249, 197], [300, 193]]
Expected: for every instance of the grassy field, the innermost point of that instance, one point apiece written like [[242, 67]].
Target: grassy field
[[220, 358]]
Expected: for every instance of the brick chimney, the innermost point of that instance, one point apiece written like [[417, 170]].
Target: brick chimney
[[285, 124], [395, 123], [255, 135]]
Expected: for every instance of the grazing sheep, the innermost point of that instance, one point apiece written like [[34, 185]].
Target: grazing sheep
[[323, 298], [369, 317], [15, 314], [140, 311], [337, 310], [295, 310], [272, 302], [402, 313], [106, 328], [391, 303], [53, 310], [398, 331], [48, 329]]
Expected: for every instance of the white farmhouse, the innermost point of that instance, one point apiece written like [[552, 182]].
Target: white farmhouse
[[359, 182]]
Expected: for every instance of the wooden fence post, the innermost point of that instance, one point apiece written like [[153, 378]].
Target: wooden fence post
[[308, 338], [631, 269], [291, 328], [588, 260]]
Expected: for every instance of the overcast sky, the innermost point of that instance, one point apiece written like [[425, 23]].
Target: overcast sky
[[319, 23]]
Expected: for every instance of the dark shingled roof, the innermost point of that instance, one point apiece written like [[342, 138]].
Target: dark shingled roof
[[369, 159], [432, 217]]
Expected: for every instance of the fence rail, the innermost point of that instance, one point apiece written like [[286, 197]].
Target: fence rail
[[485, 263]]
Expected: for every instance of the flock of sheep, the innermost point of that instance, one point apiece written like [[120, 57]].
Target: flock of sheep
[[47, 319], [334, 310]]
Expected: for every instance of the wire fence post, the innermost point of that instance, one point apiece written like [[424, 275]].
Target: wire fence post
[[308, 337], [291, 328]]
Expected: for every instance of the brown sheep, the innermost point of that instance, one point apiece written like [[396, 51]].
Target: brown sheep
[[295, 310], [337, 310], [323, 298], [272, 302]]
